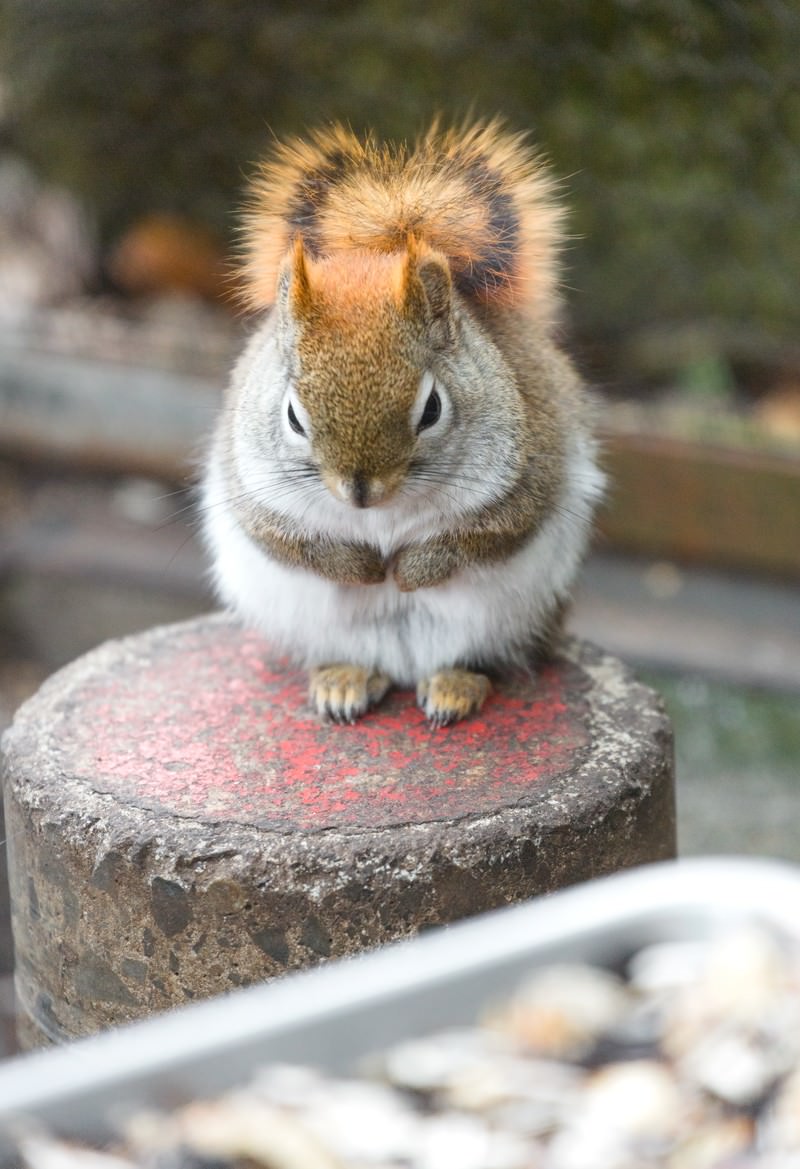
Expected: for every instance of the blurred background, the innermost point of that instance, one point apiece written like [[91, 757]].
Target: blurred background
[[127, 131]]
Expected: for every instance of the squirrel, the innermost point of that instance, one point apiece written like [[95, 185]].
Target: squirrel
[[403, 475]]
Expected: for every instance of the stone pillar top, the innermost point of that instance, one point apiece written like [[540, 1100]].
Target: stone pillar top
[[202, 722]]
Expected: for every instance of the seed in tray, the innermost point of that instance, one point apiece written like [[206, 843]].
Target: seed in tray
[[721, 1143], [562, 1010], [779, 1127], [289, 1085], [233, 1126], [41, 1152], [545, 1089], [430, 1064], [456, 1141], [628, 1116], [665, 967], [735, 1067], [640, 1097], [183, 1158], [364, 1123]]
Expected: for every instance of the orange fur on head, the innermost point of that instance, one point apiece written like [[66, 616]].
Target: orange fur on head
[[342, 290], [478, 197]]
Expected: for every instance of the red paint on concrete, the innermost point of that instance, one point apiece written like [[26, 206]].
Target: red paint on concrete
[[209, 725]]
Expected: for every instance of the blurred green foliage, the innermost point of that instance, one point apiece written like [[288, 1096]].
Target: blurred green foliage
[[725, 729], [675, 124]]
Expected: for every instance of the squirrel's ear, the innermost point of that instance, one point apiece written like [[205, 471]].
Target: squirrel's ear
[[426, 290], [294, 286]]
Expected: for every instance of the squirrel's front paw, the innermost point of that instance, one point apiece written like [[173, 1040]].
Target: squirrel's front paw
[[450, 695], [342, 692], [355, 564], [421, 566]]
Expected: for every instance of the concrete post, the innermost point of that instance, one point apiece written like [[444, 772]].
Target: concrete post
[[179, 823]]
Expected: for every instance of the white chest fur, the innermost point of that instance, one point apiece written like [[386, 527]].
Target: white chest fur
[[483, 614]]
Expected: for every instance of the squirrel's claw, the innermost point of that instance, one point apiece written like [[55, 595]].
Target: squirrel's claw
[[450, 695], [342, 693]]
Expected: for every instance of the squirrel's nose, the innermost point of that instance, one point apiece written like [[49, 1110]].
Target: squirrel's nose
[[359, 490]]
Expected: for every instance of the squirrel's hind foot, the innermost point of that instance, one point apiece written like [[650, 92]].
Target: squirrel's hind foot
[[450, 695], [342, 692]]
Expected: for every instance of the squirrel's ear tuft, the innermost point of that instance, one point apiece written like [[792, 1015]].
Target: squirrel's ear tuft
[[294, 286], [426, 289], [435, 276]]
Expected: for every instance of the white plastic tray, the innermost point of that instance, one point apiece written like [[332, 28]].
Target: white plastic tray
[[332, 1015]]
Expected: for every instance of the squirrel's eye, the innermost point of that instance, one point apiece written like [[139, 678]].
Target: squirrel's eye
[[432, 412], [294, 421]]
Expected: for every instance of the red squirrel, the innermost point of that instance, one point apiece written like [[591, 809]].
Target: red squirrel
[[403, 477]]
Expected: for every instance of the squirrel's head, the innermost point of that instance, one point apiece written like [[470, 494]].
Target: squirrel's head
[[361, 333]]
